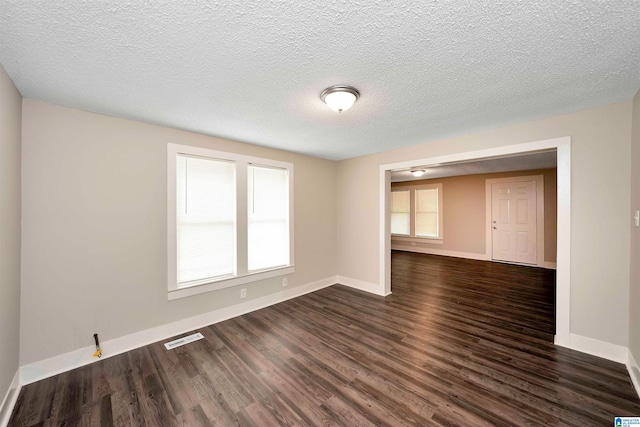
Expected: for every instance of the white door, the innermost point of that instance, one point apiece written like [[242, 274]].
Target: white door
[[513, 222]]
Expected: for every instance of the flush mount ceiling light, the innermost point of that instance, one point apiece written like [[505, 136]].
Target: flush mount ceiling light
[[417, 173], [340, 98]]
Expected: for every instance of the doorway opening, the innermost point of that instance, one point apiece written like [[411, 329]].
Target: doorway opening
[[562, 148]]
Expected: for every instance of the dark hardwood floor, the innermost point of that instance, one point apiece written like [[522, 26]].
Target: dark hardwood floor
[[459, 342]]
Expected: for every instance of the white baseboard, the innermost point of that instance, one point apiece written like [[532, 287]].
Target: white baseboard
[[443, 252], [456, 254], [372, 288], [83, 356], [9, 400], [634, 372], [606, 350]]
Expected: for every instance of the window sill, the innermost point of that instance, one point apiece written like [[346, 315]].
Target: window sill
[[227, 283]]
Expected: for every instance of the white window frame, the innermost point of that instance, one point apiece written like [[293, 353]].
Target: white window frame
[[412, 215], [243, 276]]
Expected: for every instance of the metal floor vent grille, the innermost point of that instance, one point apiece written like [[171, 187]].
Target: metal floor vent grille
[[184, 340]]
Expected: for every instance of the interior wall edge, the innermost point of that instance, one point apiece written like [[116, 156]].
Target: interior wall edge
[[10, 399], [10, 236], [634, 372], [83, 356]]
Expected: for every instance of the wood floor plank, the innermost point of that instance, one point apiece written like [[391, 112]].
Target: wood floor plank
[[458, 342], [212, 402], [193, 417]]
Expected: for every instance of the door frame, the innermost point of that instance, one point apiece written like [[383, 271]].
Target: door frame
[[539, 179], [562, 146]]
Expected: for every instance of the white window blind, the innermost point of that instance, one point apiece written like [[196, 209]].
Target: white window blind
[[426, 219], [268, 217], [400, 212], [205, 219]]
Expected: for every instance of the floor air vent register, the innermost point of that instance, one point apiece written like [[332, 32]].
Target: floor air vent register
[[182, 341]]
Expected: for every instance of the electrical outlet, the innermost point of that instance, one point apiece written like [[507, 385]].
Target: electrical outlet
[[243, 293], [284, 282]]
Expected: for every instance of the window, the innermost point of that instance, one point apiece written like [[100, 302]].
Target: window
[[205, 219], [416, 211], [427, 213], [400, 212], [229, 219], [268, 217]]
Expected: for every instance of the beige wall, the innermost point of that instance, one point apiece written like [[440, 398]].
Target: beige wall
[[464, 213], [600, 207], [94, 222], [10, 131], [634, 292], [94, 228]]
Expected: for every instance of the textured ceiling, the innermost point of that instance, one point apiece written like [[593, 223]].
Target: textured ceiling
[[253, 71], [544, 160]]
